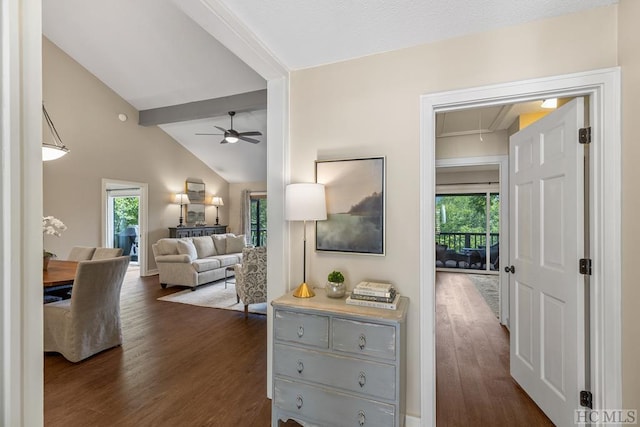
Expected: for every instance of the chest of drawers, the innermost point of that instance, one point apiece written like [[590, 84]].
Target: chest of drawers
[[338, 365]]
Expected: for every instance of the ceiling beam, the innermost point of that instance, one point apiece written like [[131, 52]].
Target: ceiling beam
[[248, 101]]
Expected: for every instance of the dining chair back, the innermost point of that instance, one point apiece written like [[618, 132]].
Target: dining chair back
[[81, 253], [105, 253], [89, 322]]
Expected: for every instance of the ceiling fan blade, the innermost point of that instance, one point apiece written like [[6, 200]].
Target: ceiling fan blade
[[250, 133], [224, 141], [251, 140], [220, 129], [209, 134]]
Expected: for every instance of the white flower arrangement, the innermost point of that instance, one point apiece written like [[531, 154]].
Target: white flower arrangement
[[53, 227]]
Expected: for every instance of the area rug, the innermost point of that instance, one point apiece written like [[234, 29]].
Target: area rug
[[214, 295], [487, 285]]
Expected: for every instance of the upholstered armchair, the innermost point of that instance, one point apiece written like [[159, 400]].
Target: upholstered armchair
[[89, 322], [251, 277]]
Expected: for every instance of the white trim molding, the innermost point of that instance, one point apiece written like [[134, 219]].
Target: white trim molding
[[603, 87], [21, 393]]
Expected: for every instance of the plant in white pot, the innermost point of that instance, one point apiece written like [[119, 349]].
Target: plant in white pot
[[335, 287]]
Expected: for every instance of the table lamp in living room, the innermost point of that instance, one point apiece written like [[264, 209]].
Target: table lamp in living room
[[181, 199], [305, 202]]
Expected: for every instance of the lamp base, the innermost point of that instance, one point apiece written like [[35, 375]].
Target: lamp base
[[303, 291]]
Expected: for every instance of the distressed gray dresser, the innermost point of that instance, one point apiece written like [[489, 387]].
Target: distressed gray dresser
[[338, 365]]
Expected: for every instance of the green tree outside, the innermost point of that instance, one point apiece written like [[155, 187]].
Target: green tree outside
[[125, 212]]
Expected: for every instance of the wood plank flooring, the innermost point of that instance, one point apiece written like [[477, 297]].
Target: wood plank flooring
[[473, 384], [180, 365]]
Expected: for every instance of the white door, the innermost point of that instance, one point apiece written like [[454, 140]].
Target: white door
[[546, 241]]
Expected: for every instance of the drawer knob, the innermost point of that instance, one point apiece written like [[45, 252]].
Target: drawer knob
[[300, 331], [362, 379], [361, 418], [300, 366], [362, 341], [299, 402]]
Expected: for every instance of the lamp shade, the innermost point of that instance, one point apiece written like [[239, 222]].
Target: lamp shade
[[181, 199], [305, 202], [217, 201]]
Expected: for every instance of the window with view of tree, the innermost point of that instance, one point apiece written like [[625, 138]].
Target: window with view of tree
[[468, 230], [259, 220]]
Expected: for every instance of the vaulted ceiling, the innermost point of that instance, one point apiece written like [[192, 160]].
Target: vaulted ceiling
[[153, 55]]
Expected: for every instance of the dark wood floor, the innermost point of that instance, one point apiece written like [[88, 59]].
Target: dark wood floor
[[180, 365], [473, 385]]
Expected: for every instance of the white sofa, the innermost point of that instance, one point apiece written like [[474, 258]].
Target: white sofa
[[193, 261]]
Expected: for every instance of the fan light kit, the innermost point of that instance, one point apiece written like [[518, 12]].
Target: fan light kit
[[231, 136]]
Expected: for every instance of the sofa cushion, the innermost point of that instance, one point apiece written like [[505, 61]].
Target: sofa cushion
[[235, 244], [227, 260], [168, 246], [206, 264], [220, 242], [186, 247], [204, 246]]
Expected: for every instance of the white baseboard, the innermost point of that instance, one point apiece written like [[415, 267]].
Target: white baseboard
[[153, 272], [410, 421]]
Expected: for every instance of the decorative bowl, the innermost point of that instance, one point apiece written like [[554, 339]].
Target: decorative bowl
[[335, 290]]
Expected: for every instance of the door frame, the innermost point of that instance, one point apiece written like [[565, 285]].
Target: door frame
[[603, 87], [503, 170], [142, 217]]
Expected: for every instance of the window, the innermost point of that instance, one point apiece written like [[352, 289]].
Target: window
[[258, 219], [468, 231]]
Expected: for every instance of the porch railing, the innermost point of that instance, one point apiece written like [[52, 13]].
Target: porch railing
[[458, 241]]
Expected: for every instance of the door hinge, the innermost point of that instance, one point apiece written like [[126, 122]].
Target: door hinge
[[586, 399], [584, 135], [585, 266]]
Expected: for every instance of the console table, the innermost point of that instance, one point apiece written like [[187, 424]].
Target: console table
[[338, 364], [197, 231]]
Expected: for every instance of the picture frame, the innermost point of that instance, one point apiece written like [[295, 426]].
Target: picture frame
[[195, 190], [195, 214], [356, 209]]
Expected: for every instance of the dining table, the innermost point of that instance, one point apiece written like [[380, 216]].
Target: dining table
[[58, 273]]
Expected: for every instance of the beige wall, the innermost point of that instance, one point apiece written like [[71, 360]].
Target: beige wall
[[629, 57], [370, 106], [235, 202], [85, 112]]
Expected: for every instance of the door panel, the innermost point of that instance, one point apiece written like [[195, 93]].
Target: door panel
[[546, 234]]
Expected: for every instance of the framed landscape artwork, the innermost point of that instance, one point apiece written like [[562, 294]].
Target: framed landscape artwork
[[355, 192]]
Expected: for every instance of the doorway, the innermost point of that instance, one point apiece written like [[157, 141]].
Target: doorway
[[606, 253], [124, 220]]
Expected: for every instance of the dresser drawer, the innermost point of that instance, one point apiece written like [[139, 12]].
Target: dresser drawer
[[364, 338], [300, 328], [359, 376], [329, 408]]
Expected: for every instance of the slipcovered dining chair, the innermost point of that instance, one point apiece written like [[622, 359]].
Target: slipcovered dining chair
[[105, 253], [81, 253], [251, 277], [89, 322]]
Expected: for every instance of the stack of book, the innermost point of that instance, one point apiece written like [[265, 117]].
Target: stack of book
[[371, 294]]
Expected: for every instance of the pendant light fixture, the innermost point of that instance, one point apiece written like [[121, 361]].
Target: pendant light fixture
[[56, 149]]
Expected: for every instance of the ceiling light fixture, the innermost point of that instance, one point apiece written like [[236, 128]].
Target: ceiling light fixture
[[55, 150], [231, 139], [550, 103]]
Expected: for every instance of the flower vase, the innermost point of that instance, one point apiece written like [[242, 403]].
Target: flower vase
[[45, 262]]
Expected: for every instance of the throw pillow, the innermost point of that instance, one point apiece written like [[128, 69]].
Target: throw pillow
[[220, 242], [186, 247], [167, 246], [235, 244], [204, 246]]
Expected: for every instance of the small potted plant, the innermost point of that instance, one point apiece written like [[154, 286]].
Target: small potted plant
[[335, 287]]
